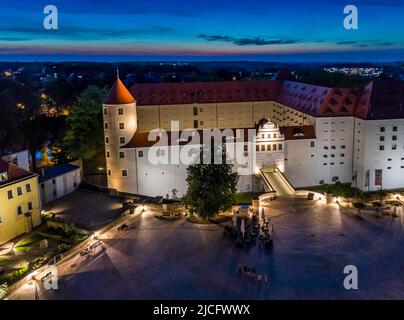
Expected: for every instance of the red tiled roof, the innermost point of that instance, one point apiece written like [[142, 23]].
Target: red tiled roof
[[13, 172], [141, 139], [204, 92], [380, 99], [383, 98], [119, 94]]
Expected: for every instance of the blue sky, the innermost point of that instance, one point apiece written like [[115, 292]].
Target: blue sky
[[286, 30]]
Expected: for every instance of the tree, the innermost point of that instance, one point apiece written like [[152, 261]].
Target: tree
[[211, 186], [84, 136], [10, 122]]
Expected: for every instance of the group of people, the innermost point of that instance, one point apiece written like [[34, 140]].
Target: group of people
[[251, 273], [265, 230]]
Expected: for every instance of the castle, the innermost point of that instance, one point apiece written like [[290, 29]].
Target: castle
[[311, 134]]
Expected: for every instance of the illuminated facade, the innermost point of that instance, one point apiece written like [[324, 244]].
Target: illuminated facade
[[321, 134], [20, 206]]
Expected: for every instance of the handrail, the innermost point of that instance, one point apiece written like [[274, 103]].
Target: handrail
[[285, 179], [271, 189]]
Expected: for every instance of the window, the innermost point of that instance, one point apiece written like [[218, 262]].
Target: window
[[268, 147], [19, 191], [388, 168], [122, 139], [28, 187], [274, 147], [382, 129], [257, 148], [394, 128], [326, 147], [106, 140], [195, 111], [140, 154], [279, 146], [343, 147], [381, 138], [120, 111], [312, 155], [121, 154], [245, 148], [30, 205], [124, 173], [325, 156], [42, 186], [263, 147], [53, 181], [332, 156], [274, 135], [394, 138], [195, 124], [108, 154], [10, 194], [262, 136], [389, 159], [105, 111], [109, 172], [19, 210], [121, 126], [55, 193], [333, 147], [332, 163], [312, 144], [324, 164], [269, 136], [342, 155], [200, 109], [341, 163], [201, 123], [394, 147], [106, 126], [381, 148]]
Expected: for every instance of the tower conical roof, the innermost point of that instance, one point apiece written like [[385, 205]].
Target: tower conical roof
[[119, 94]]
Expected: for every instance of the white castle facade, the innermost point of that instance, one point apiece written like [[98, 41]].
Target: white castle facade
[[312, 134]]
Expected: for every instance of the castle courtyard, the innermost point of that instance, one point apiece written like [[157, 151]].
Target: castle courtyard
[[313, 242]]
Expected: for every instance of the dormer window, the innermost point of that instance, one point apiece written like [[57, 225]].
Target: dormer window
[[3, 176]]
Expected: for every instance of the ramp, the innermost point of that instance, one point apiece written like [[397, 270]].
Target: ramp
[[276, 181]]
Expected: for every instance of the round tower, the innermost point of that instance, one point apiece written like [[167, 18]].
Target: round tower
[[120, 125]]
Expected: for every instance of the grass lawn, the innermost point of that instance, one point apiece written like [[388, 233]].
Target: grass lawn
[[28, 242], [337, 189], [216, 220], [245, 197]]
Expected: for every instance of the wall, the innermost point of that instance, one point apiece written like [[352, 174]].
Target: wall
[[20, 159], [63, 185], [369, 156], [12, 225]]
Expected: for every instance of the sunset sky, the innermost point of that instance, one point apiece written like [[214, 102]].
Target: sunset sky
[[285, 30]]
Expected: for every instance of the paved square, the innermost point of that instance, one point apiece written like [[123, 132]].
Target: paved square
[[313, 242], [88, 209]]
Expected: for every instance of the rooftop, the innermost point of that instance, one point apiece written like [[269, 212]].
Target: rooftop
[[382, 98], [55, 171], [13, 172], [204, 92], [119, 94]]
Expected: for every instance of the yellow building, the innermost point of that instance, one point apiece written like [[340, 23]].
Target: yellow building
[[20, 206]]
